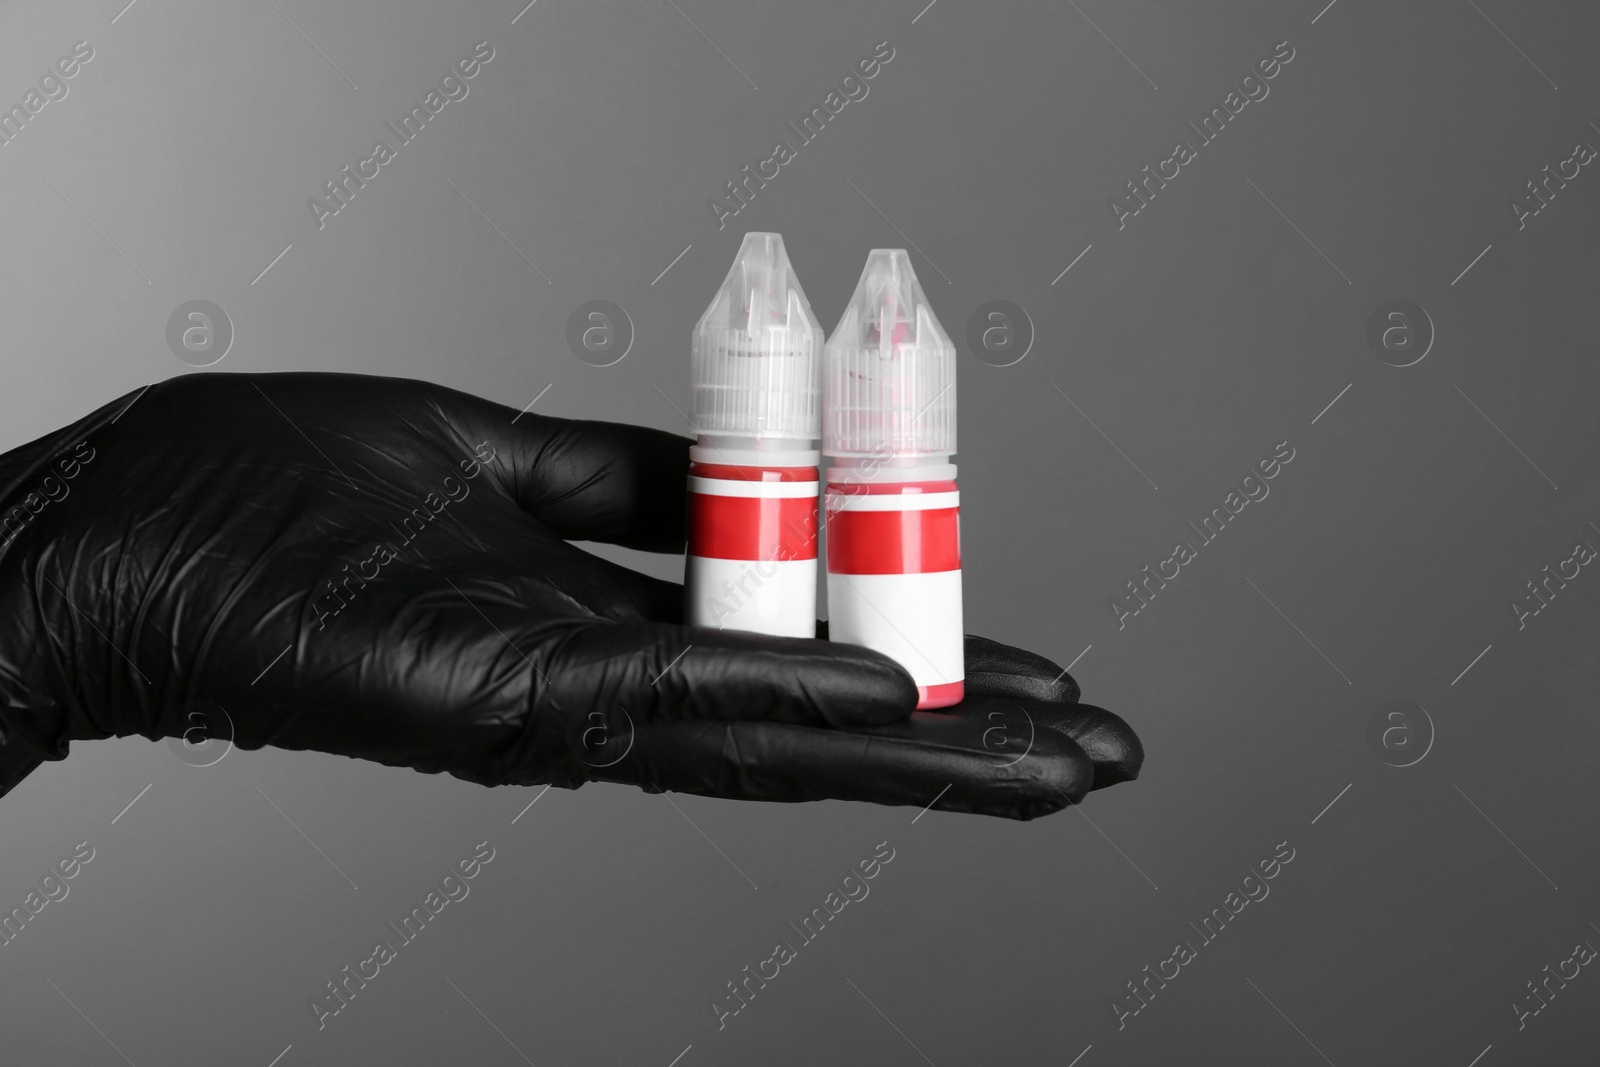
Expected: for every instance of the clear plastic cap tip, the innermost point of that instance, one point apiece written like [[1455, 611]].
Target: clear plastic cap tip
[[756, 350], [889, 372]]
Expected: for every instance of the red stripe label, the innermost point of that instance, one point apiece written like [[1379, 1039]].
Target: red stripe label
[[894, 542], [755, 528]]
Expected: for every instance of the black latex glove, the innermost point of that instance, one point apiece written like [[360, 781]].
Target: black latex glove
[[404, 548]]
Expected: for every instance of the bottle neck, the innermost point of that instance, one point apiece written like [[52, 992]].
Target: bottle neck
[[730, 449], [890, 470]]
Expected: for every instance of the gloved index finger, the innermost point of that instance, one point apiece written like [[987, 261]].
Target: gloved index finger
[[660, 672], [994, 669]]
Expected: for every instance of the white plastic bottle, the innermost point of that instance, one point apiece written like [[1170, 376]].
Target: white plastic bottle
[[752, 562], [892, 509]]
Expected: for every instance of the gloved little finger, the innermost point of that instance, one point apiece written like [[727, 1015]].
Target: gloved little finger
[[1002, 765]]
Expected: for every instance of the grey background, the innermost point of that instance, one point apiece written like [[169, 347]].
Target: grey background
[[1196, 338]]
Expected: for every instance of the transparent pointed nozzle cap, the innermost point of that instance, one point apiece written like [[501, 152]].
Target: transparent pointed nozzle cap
[[756, 350], [889, 371]]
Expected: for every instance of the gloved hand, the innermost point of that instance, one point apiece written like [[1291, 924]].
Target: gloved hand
[[380, 568]]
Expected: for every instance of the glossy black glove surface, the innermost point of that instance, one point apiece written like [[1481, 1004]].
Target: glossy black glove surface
[[379, 568]]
